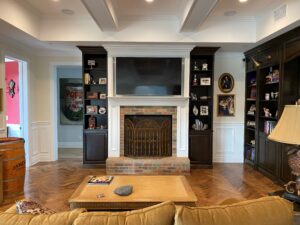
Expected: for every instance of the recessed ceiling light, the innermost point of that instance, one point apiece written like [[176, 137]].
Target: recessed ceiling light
[[55, 0], [243, 0], [149, 1], [230, 13], [67, 11]]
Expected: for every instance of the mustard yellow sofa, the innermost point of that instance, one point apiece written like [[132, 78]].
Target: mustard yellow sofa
[[263, 211]]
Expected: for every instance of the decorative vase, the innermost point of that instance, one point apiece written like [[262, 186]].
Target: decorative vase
[[195, 110]]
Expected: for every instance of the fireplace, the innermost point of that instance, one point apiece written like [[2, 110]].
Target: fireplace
[[148, 135]]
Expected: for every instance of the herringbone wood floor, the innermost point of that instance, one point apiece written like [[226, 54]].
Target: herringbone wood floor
[[51, 184]]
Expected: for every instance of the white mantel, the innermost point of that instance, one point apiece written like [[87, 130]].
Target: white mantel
[[115, 102]]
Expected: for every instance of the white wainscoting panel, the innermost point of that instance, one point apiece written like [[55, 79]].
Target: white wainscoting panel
[[228, 139], [40, 148]]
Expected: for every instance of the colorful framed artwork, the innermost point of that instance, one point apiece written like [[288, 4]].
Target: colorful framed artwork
[[226, 105], [71, 101]]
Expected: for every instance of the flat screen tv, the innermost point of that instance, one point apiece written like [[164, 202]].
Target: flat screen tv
[[148, 76]]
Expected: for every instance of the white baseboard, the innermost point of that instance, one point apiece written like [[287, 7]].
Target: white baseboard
[[70, 144]]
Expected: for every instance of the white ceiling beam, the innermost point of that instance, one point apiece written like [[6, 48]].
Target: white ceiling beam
[[195, 14], [103, 14]]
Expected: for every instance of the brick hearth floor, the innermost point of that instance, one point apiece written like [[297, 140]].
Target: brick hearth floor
[[51, 184]]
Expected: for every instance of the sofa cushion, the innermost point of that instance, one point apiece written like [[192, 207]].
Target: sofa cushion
[[161, 214], [63, 218], [263, 211]]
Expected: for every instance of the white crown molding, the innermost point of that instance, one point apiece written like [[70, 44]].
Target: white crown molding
[[153, 50]]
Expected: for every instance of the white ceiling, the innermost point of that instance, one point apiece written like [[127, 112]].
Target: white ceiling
[[140, 9], [53, 8], [194, 20]]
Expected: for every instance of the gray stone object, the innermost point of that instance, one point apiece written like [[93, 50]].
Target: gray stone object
[[124, 190]]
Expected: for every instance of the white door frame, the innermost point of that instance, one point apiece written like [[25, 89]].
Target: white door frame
[[23, 96], [54, 116]]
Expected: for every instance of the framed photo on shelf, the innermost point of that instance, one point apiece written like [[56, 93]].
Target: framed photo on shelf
[[102, 80], [205, 81], [91, 109], [102, 96], [226, 82], [204, 110], [226, 105], [92, 95]]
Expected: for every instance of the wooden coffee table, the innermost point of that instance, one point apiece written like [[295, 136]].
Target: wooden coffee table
[[147, 191]]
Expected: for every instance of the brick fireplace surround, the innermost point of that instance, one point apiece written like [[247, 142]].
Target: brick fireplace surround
[[163, 165]]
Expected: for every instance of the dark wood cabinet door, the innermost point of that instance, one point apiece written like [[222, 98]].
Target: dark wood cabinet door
[[271, 156], [200, 148], [95, 147], [261, 151]]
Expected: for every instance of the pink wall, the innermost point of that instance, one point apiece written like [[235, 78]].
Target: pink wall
[[12, 104]]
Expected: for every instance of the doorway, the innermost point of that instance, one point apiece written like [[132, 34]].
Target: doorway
[[16, 100]]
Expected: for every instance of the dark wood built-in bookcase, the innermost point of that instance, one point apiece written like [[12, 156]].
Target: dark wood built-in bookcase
[[95, 127], [272, 81], [201, 105]]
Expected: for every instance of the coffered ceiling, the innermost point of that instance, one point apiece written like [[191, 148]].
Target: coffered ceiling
[[222, 23]]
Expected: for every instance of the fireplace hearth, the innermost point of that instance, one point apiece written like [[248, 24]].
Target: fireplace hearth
[[148, 135]]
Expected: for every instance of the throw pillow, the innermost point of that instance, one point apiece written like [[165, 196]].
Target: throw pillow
[[31, 207]]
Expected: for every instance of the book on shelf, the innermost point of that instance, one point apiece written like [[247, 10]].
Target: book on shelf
[[269, 126], [100, 180]]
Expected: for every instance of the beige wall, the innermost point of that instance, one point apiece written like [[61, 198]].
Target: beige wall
[[229, 131]]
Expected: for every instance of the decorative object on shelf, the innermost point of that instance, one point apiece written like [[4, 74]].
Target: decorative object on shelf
[[267, 112], [288, 131], [193, 97], [196, 67], [91, 109], [269, 126], [92, 95], [92, 122], [102, 110], [255, 62], [199, 125], [226, 105], [226, 82], [101, 127], [274, 95], [251, 123], [91, 63], [252, 142], [253, 81], [102, 80], [87, 78], [204, 66], [253, 92], [204, 110], [205, 81], [195, 80], [11, 88], [195, 110], [267, 96], [252, 110], [102, 96], [203, 97], [71, 101], [273, 76]]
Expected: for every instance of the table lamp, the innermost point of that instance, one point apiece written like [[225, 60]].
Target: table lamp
[[287, 131]]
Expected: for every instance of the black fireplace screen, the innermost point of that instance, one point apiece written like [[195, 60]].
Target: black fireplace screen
[[148, 135]]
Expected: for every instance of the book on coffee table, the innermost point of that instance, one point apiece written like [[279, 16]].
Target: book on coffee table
[[100, 180]]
